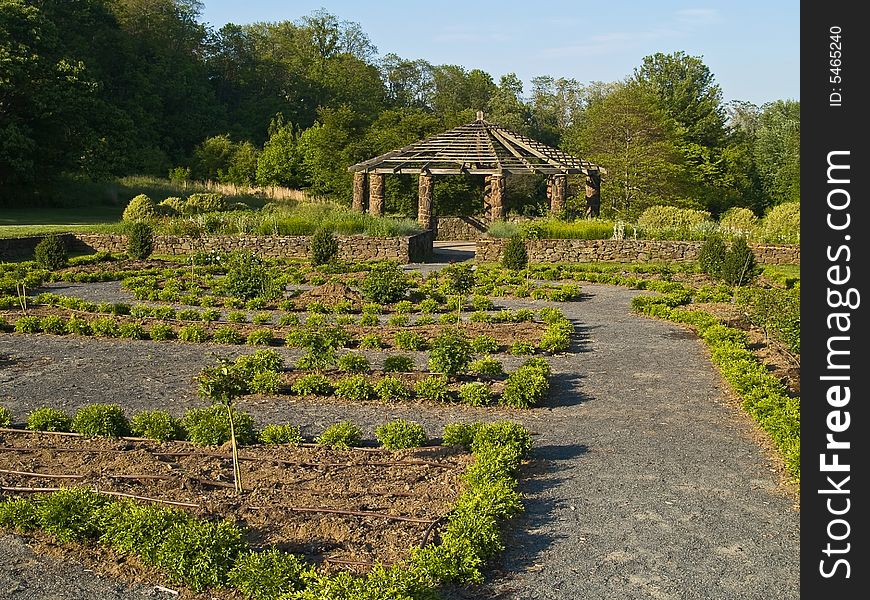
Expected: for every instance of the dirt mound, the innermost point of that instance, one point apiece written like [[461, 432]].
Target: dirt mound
[[330, 294]]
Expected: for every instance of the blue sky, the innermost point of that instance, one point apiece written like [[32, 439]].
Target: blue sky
[[752, 48]]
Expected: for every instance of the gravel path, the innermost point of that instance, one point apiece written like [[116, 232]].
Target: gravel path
[[647, 483]]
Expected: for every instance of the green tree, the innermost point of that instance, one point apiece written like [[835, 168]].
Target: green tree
[[281, 161], [777, 150]]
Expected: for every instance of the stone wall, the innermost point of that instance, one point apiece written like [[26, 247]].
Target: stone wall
[[459, 228], [490, 249], [415, 248]]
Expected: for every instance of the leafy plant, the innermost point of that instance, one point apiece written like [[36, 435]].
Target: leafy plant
[[157, 425], [265, 382], [140, 240], [5, 417], [159, 332], [29, 324], [398, 364], [520, 348], [475, 394], [52, 324], [355, 387], [192, 333], [324, 246], [227, 335], [49, 419], [200, 553], [514, 256], [711, 256], [371, 341], [528, 385], [409, 340], [434, 388], [484, 344], [353, 363], [740, 266], [391, 389], [96, 420], [450, 353], [209, 426], [270, 574], [140, 208], [260, 337], [486, 366], [247, 277], [69, 514], [281, 434], [312, 384], [343, 434], [401, 434], [461, 434], [385, 282]]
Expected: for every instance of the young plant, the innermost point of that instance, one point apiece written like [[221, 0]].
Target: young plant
[[450, 353], [49, 419], [353, 363], [157, 425], [433, 388], [486, 366], [281, 434], [460, 280], [401, 434], [475, 394], [355, 387], [312, 384], [391, 389], [398, 364], [341, 435], [95, 420]]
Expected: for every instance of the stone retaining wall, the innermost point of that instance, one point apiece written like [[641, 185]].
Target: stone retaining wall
[[459, 228], [574, 251], [415, 248]]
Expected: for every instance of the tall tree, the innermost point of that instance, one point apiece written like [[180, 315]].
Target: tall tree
[[777, 150]]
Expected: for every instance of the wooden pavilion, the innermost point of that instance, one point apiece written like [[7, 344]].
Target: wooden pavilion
[[477, 148]]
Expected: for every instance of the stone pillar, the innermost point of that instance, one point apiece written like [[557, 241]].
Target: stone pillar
[[495, 197], [424, 204], [593, 194], [359, 190], [376, 194], [557, 190]]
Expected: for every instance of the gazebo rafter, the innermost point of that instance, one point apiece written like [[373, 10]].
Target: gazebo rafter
[[476, 148]]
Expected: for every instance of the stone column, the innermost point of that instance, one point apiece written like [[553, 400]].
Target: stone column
[[495, 199], [557, 189], [376, 194], [424, 204], [359, 190], [593, 194]]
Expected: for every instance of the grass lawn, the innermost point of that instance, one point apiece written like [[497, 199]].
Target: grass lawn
[[17, 222]]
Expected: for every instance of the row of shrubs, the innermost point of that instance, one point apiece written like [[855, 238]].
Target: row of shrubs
[[556, 338], [781, 225], [764, 396], [203, 554]]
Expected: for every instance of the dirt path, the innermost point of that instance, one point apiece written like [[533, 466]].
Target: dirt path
[[648, 481]]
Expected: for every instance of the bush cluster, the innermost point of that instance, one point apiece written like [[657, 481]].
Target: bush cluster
[[384, 283], [400, 434], [527, 386], [50, 253], [342, 435]]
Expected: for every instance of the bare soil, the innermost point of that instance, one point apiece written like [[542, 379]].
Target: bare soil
[[299, 499]]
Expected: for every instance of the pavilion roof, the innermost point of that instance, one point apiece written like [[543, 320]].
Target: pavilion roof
[[478, 148]]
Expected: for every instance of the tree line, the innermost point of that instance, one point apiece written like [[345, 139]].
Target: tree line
[[97, 89]]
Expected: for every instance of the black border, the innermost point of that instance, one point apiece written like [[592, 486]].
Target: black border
[[826, 128]]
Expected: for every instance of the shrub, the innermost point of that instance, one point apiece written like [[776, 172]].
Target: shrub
[[343, 434], [266, 382], [391, 389], [247, 277], [227, 335], [5, 417], [200, 553], [52, 324], [738, 221], [450, 354], [398, 320], [461, 434], [210, 315], [95, 420], [385, 282], [28, 324], [18, 514], [324, 246], [428, 306], [371, 341], [368, 320], [172, 206], [739, 267], [70, 514], [503, 434], [192, 333], [160, 331], [353, 363], [260, 337], [131, 331], [782, 225], [49, 419], [409, 340], [210, 426], [484, 344], [557, 337], [398, 364], [711, 256], [481, 303], [527, 386], [520, 348], [281, 434], [78, 326], [140, 240], [137, 529], [475, 394], [204, 203], [157, 425], [514, 256], [355, 387], [433, 388], [312, 384], [50, 253], [401, 434], [140, 208], [403, 307], [260, 361], [270, 574], [671, 221], [486, 366]]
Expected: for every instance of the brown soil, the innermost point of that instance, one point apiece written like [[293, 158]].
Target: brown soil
[[329, 294], [772, 353], [289, 492]]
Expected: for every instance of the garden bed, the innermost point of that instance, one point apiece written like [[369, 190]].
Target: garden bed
[[343, 509]]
